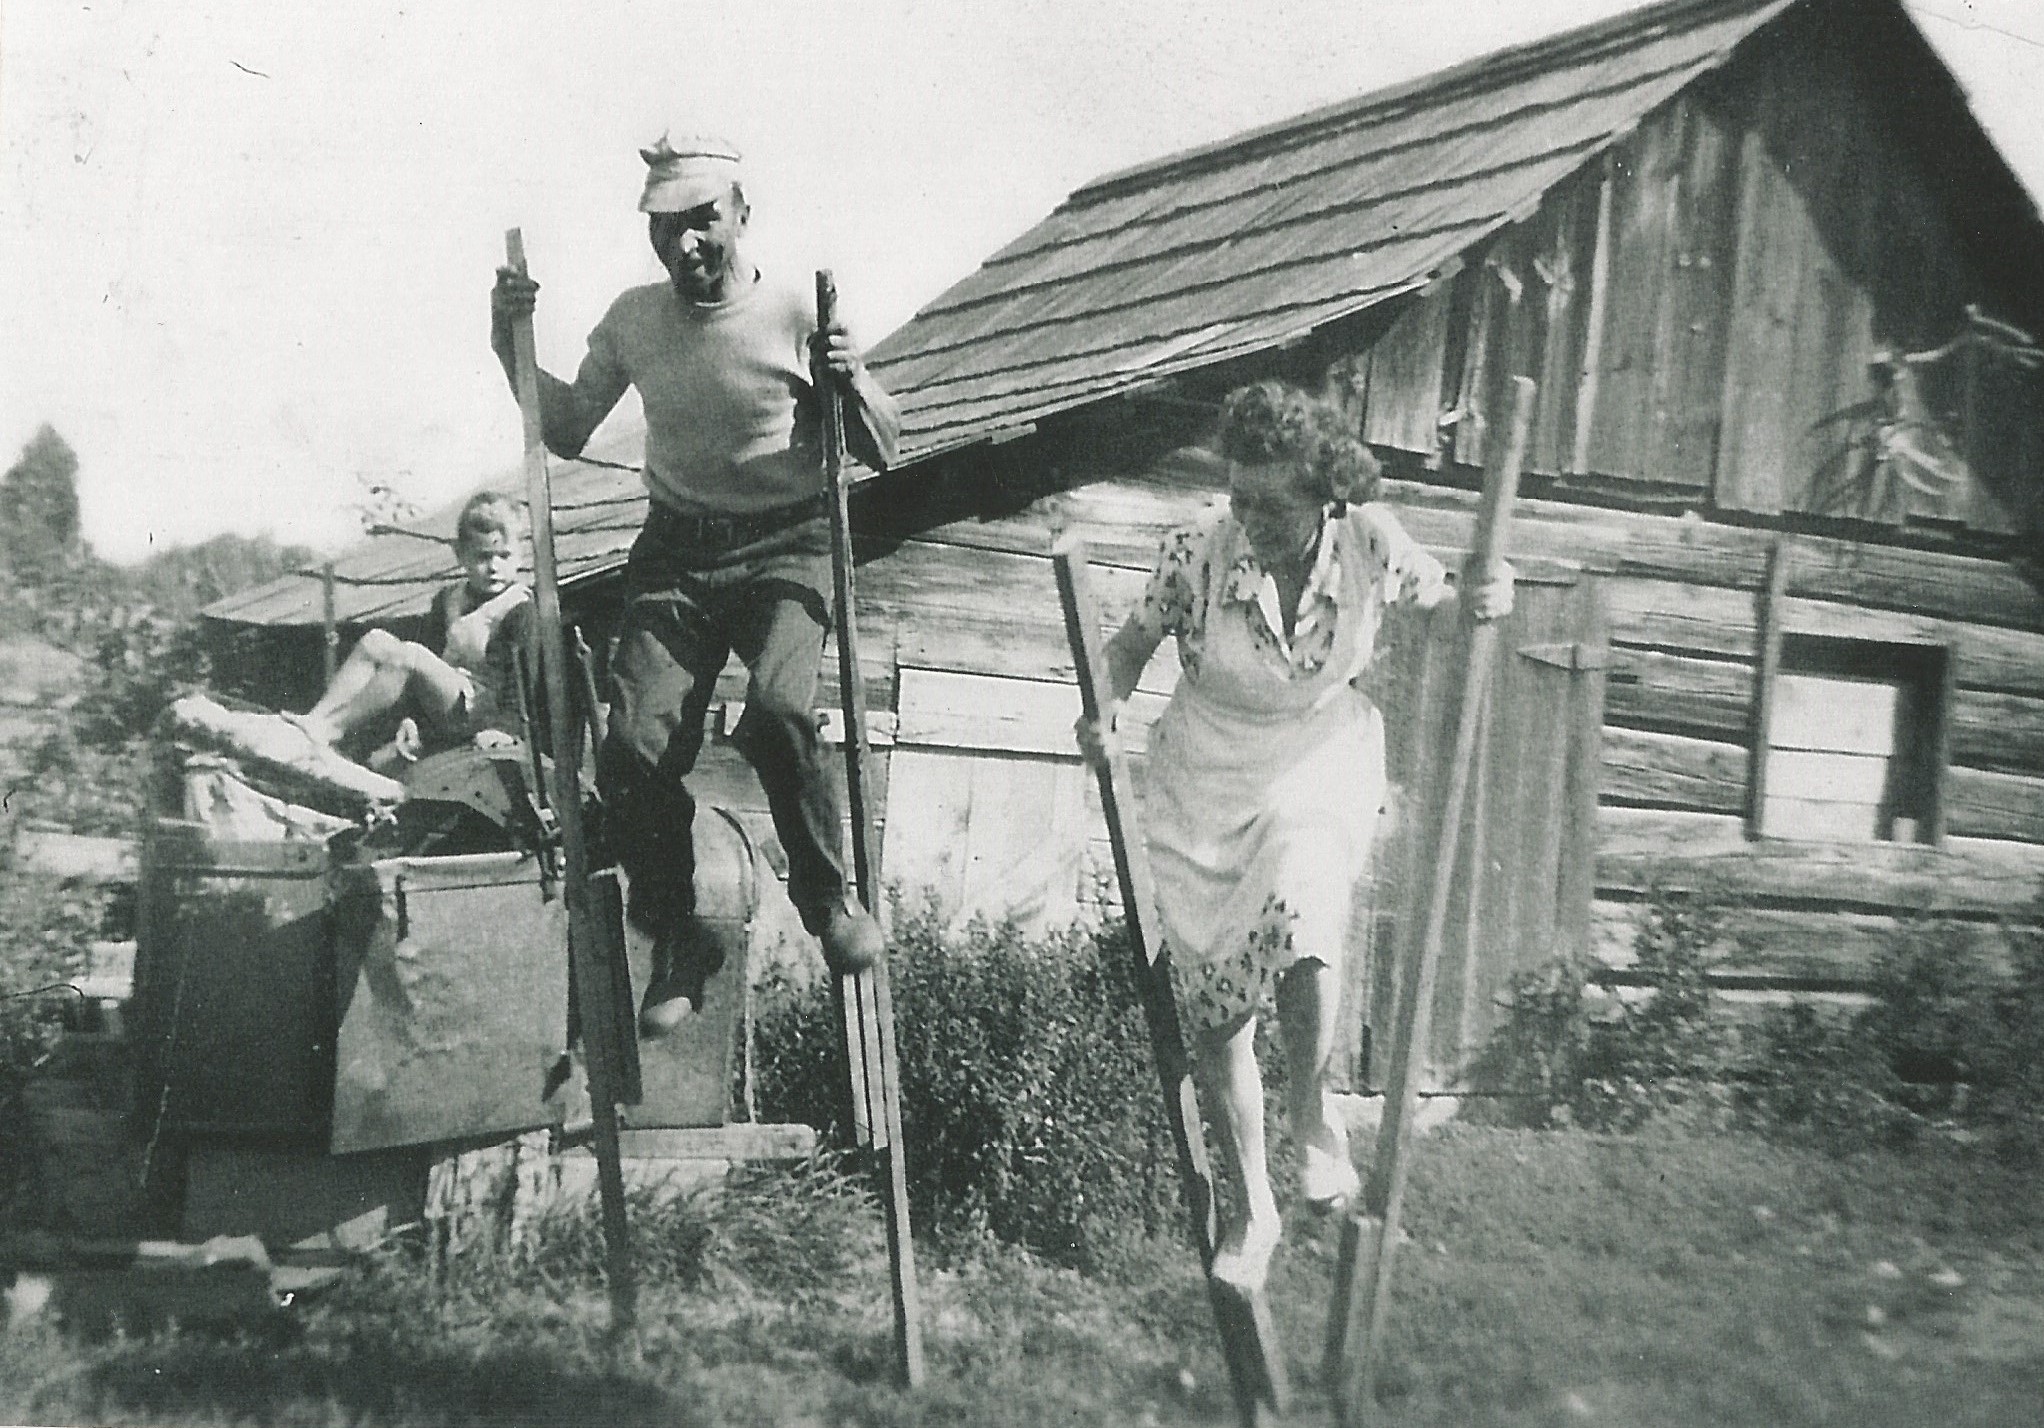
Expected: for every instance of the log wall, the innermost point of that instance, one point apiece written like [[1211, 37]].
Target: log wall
[[964, 614]]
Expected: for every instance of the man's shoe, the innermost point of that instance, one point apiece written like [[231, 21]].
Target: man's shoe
[[851, 938], [685, 957], [665, 1008]]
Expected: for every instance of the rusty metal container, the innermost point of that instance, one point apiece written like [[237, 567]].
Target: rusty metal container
[[232, 1017], [452, 978]]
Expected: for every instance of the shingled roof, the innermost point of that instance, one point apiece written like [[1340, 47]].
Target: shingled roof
[[1243, 245], [1193, 259]]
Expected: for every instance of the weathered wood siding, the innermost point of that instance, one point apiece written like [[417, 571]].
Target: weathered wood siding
[[1683, 604], [990, 809], [1521, 887], [986, 805], [1701, 304]]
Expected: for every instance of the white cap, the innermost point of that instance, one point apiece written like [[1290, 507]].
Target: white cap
[[687, 174]]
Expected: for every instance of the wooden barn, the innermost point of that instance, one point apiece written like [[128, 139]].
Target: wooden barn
[[1780, 630]]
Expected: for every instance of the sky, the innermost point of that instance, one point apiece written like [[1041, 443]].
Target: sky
[[246, 248]]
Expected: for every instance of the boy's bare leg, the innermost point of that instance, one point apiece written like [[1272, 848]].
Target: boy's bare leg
[[1225, 1065], [379, 675]]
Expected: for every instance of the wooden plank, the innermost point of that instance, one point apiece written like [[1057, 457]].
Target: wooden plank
[[1792, 816], [1019, 716], [1537, 794], [1403, 401], [1938, 794], [1703, 850], [1835, 715], [1690, 619], [1026, 839], [1004, 837], [1691, 353], [1127, 517], [2003, 732], [1645, 769], [1597, 317], [1788, 945], [1017, 643], [929, 815], [1982, 804], [1748, 476], [1680, 694], [1988, 658], [1933, 584], [747, 1141], [1576, 858], [927, 583], [1852, 778], [1565, 242], [1625, 429], [1412, 678], [1992, 593]]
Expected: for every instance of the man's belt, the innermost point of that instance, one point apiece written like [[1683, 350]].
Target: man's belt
[[714, 529]]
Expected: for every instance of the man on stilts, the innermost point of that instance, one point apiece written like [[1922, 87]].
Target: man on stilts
[[735, 555]]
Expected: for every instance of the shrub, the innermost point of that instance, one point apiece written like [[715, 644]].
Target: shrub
[[1614, 1066], [1538, 1055], [1806, 1073], [1953, 1038], [1028, 1093]]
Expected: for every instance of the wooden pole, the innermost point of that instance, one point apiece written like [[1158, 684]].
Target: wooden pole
[[865, 999], [1256, 1370], [595, 986], [1369, 1239]]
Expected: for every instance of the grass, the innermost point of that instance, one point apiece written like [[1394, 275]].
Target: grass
[[1552, 1277]]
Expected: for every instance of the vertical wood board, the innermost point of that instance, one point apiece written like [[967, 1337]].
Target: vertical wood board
[[1505, 905], [1403, 404]]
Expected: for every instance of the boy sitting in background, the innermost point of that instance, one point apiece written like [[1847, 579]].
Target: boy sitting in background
[[443, 694], [461, 680]]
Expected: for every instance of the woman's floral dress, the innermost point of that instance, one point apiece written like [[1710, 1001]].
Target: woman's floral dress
[[1266, 772]]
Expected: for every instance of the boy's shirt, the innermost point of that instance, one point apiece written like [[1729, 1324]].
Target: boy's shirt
[[493, 701]]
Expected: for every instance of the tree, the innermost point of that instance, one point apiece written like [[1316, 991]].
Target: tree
[[39, 507]]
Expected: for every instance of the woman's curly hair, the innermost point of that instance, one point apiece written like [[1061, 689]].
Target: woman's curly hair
[[1274, 421]]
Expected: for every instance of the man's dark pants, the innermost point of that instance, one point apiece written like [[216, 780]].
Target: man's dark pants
[[695, 591]]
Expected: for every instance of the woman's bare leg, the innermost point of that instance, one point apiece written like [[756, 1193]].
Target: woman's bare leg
[[1232, 1088], [378, 676], [1309, 1001]]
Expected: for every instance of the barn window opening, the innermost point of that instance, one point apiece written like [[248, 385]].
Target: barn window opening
[[1854, 742]]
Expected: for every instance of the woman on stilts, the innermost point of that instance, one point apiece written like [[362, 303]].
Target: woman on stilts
[[1266, 772]]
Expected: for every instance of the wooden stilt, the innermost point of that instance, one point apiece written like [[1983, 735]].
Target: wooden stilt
[[588, 939], [865, 1000], [1369, 1240], [1256, 1368]]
